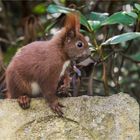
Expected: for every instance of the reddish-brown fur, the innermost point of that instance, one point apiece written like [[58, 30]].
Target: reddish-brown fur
[[42, 62]]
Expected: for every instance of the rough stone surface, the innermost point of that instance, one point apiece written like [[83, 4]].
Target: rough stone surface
[[85, 118]]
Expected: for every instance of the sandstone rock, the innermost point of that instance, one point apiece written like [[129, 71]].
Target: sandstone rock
[[85, 118]]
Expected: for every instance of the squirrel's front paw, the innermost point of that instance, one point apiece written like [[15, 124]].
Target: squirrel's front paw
[[24, 101], [57, 108]]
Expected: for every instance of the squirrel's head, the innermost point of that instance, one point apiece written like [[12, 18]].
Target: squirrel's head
[[75, 44]]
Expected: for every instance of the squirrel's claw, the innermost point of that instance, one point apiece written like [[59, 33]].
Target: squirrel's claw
[[57, 108], [24, 101]]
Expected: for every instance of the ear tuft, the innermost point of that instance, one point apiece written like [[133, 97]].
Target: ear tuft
[[72, 22]]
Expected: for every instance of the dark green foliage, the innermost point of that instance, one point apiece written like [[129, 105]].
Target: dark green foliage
[[94, 23]]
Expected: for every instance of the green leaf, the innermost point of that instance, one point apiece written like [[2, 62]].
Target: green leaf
[[137, 6], [94, 25], [121, 38], [58, 9], [40, 9], [84, 21], [119, 17], [132, 14], [97, 16]]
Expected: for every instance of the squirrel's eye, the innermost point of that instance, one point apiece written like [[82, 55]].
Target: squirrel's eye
[[79, 44]]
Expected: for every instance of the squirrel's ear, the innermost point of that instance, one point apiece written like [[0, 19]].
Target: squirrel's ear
[[72, 24]]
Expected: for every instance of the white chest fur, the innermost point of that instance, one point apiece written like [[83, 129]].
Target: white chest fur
[[65, 65], [35, 88]]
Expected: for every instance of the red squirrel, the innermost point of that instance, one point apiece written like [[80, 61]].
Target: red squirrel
[[37, 68]]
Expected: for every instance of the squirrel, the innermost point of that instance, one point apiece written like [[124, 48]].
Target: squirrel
[[36, 69]]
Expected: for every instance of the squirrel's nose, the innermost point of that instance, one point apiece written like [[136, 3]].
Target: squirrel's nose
[[86, 53]]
